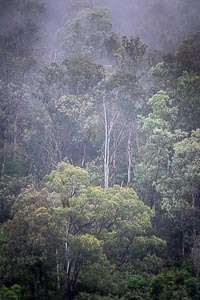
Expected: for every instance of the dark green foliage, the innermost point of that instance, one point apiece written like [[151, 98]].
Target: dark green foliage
[[174, 285], [10, 294], [10, 188], [132, 118]]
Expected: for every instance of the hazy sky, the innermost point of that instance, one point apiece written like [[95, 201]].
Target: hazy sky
[[157, 22]]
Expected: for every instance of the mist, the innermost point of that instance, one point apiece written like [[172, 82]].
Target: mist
[[99, 149], [160, 24]]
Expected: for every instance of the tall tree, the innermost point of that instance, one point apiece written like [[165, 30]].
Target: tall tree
[[96, 222], [84, 37]]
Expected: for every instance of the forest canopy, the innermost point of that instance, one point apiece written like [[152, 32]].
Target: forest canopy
[[99, 150]]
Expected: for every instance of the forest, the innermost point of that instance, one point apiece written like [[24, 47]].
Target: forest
[[99, 150]]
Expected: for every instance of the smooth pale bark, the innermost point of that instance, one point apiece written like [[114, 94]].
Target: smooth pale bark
[[71, 273], [108, 127], [15, 136], [4, 152], [84, 151], [129, 150], [84, 154], [57, 270], [57, 149], [106, 147], [117, 138], [193, 200], [68, 263], [114, 158]]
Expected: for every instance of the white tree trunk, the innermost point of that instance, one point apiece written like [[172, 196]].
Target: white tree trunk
[[108, 127], [106, 147], [15, 136], [68, 263], [4, 152], [129, 150], [57, 270]]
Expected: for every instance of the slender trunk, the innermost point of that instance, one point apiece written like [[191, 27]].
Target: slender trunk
[[4, 152], [114, 159], [15, 137], [114, 168], [193, 200], [57, 149], [84, 150], [57, 270], [107, 154], [194, 231], [153, 207], [68, 294], [84, 154], [137, 144], [108, 128], [129, 149], [106, 148], [58, 152], [182, 227]]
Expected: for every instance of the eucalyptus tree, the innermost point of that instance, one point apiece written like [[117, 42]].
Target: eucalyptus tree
[[99, 226], [60, 235], [65, 93], [172, 66], [123, 98], [10, 188], [27, 244], [180, 192], [186, 161], [157, 130], [84, 36], [187, 99], [19, 32], [179, 75], [15, 118]]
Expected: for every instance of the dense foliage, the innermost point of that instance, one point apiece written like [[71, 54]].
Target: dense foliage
[[99, 161]]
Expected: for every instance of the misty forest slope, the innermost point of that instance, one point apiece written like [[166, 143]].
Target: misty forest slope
[[99, 150]]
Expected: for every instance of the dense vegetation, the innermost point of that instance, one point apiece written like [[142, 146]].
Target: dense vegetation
[[99, 161]]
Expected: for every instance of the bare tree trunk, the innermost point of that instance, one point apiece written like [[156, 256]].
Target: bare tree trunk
[[57, 270], [106, 147], [4, 152], [15, 137], [84, 154], [68, 263], [129, 150], [57, 149], [69, 295], [84, 150], [108, 128], [114, 168], [114, 155], [193, 200]]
